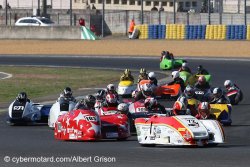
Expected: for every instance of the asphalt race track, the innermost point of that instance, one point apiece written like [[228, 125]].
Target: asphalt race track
[[38, 141]]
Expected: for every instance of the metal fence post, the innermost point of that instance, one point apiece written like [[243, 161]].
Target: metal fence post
[[6, 12], [174, 11], [103, 16], [38, 8], [70, 11], [209, 12], [58, 18], [187, 18], [159, 17], [126, 22], [245, 12], [142, 21], [220, 10]]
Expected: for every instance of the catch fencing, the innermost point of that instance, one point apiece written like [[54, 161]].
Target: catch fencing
[[117, 22]]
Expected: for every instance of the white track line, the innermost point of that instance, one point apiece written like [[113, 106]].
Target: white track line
[[7, 75]]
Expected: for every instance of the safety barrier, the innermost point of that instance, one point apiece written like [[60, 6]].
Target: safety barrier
[[195, 31], [143, 29], [175, 31], [181, 31], [237, 32], [248, 32], [216, 32], [156, 31]]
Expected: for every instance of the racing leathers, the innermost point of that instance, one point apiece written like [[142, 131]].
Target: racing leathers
[[202, 72], [210, 116], [157, 108], [62, 97], [127, 77], [222, 100], [187, 69], [178, 80], [204, 86]]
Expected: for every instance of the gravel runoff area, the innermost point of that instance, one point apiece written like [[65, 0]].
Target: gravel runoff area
[[126, 47]]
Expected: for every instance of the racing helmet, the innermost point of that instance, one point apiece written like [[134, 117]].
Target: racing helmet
[[111, 98], [100, 94], [228, 83], [142, 71], [22, 96], [201, 80], [89, 101], [217, 92], [204, 109], [67, 92], [184, 65], [175, 74], [111, 88], [150, 102], [179, 108], [163, 53], [183, 100], [127, 72], [147, 89], [199, 68], [151, 75], [123, 108], [189, 91]]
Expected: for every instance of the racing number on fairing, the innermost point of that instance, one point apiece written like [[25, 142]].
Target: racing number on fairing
[[141, 109], [199, 92], [192, 122], [18, 108]]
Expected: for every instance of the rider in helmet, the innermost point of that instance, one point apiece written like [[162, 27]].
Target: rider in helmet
[[111, 100], [177, 80], [152, 105], [201, 71], [111, 90], [127, 76], [146, 91], [230, 86], [189, 92], [202, 83], [184, 67], [179, 108], [219, 97], [152, 78], [166, 55], [22, 97], [123, 108], [143, 75], [204, 111], [192, 105], [88, 102], [163, 55], [67, 95]]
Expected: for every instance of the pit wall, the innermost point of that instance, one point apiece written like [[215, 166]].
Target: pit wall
[[190, 32]]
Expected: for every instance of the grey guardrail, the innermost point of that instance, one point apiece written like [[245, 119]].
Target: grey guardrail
[[30, 32]]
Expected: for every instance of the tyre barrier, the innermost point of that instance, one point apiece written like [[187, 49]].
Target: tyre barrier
[[236, 32], [248, 33], [193, 32]]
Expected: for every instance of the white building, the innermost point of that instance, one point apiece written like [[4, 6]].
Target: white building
[[229, 6], [110, 4]]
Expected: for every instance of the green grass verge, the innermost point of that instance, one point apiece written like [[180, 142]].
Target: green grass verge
[[41, 82]]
